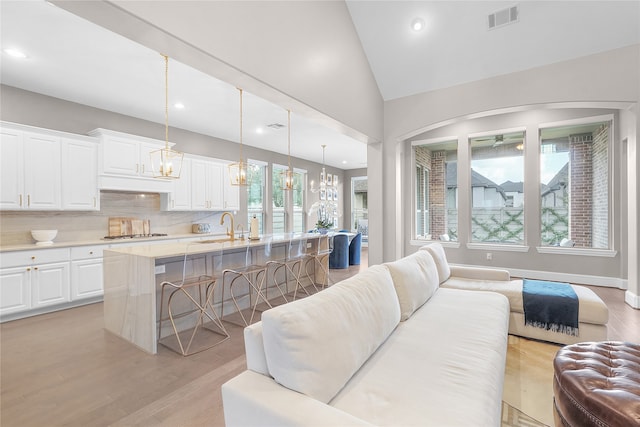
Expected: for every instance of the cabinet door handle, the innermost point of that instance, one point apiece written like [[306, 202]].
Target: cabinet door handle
[[90, 252], [28, 200], [94, 202], [33, 257], [28, 268], [137, 168], [35, 268], [21, 200], [143, 168], [173, 203]]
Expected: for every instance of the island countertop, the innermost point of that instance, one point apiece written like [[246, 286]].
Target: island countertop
[[208, 245], [131, 283]]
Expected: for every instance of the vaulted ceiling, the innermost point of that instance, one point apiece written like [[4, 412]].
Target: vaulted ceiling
[[73, 59]]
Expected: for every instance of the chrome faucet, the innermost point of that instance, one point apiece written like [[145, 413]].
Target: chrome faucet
[[230, 231], [241, 227]]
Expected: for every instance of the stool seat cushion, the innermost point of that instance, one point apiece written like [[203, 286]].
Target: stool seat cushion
[[597, 384]]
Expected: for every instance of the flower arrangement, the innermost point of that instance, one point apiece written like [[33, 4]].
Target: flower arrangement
[[324, 224]]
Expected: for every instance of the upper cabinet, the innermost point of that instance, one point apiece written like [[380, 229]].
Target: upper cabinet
[[231, 192], [125, 162], [29, 170], [46, 170], [80, 175]]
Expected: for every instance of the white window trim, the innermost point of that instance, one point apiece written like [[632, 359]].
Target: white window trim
[[505, 247], [605, 253]]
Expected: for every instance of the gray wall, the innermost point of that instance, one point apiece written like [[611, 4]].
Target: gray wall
[[282, 51], [605, 80], [29, 108]]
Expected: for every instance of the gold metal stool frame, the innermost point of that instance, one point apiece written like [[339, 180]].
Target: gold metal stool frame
[[200, 306]]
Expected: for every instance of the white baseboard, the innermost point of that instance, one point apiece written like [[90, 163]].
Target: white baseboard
[[580, 279], [632, 299]]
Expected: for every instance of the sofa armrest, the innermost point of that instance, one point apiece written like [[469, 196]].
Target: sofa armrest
[[478, 273], [252, 399]]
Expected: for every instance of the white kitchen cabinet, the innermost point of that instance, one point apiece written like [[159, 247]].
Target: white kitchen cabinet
[[128, 157], [33, 279], [29, 170], [180, 197], [15, 290], [50, 284], [80, 175], [207, 192], [86, 272], [231, 192]]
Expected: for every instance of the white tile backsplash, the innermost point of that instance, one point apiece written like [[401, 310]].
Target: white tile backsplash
[[15, 227]]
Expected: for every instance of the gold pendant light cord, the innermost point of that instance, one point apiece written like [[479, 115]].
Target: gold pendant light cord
[[241, 158], [289, 137], [166, 100]]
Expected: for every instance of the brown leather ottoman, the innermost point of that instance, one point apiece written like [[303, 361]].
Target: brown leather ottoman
[[597, 384]]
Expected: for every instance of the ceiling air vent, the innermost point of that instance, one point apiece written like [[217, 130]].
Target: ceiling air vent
[[503, 17], [275, 126]]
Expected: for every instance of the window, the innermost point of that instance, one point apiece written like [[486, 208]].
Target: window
[[299, 179], [574, 175], [255, 194], [436, 190], [497, 188], [279, 220], [359, 206]]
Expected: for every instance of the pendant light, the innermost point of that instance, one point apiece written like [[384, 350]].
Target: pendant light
[[238, 172], [287, 175], [166, 163]]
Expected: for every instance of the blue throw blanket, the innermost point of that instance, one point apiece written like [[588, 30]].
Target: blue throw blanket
[[550, 305]]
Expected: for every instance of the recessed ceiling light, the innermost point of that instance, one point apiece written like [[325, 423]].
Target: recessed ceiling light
[[344, 162], [179, 105], [16, 53], [417, 24], [259, 130]]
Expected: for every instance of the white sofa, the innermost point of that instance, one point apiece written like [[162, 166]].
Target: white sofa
[[593, 313], [385, 347]]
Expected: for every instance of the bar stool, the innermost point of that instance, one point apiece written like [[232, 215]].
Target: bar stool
[[208, 326], [291, 263], [253, 275], [318, 256]]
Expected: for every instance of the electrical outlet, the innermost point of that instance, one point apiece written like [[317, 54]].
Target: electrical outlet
[[489, 256], [160, 269]]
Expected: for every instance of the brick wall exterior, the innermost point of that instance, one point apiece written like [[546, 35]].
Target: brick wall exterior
[[581, 190], [438, 193], [600, 196]]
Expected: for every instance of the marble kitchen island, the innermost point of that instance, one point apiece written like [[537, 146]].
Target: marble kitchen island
[[132, 277]]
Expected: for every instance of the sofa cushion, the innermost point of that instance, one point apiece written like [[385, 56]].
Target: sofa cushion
[[254, 349], [415, 278], [437, 252], [442, 367], [314, 345]]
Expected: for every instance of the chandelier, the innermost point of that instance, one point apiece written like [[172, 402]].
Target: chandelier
[[239, 172], [166, 163], [287, 175]]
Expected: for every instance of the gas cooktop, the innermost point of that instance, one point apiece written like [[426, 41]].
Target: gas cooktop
[[134, 236]]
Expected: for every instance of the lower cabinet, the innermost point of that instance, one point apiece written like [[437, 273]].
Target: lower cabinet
[[86, 278], [49, 284], [33, 286], [15, 290]]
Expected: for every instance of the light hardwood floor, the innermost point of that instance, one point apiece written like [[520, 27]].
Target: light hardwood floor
[[64, 369]]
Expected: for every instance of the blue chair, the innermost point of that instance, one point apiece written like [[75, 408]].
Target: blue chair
[[339, 257], [354, 250]]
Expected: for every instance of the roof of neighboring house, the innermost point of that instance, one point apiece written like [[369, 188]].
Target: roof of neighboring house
[[559, 181], [513, 187], [477, 180]]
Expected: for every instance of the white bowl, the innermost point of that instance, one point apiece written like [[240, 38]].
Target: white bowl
[[44, 237]]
